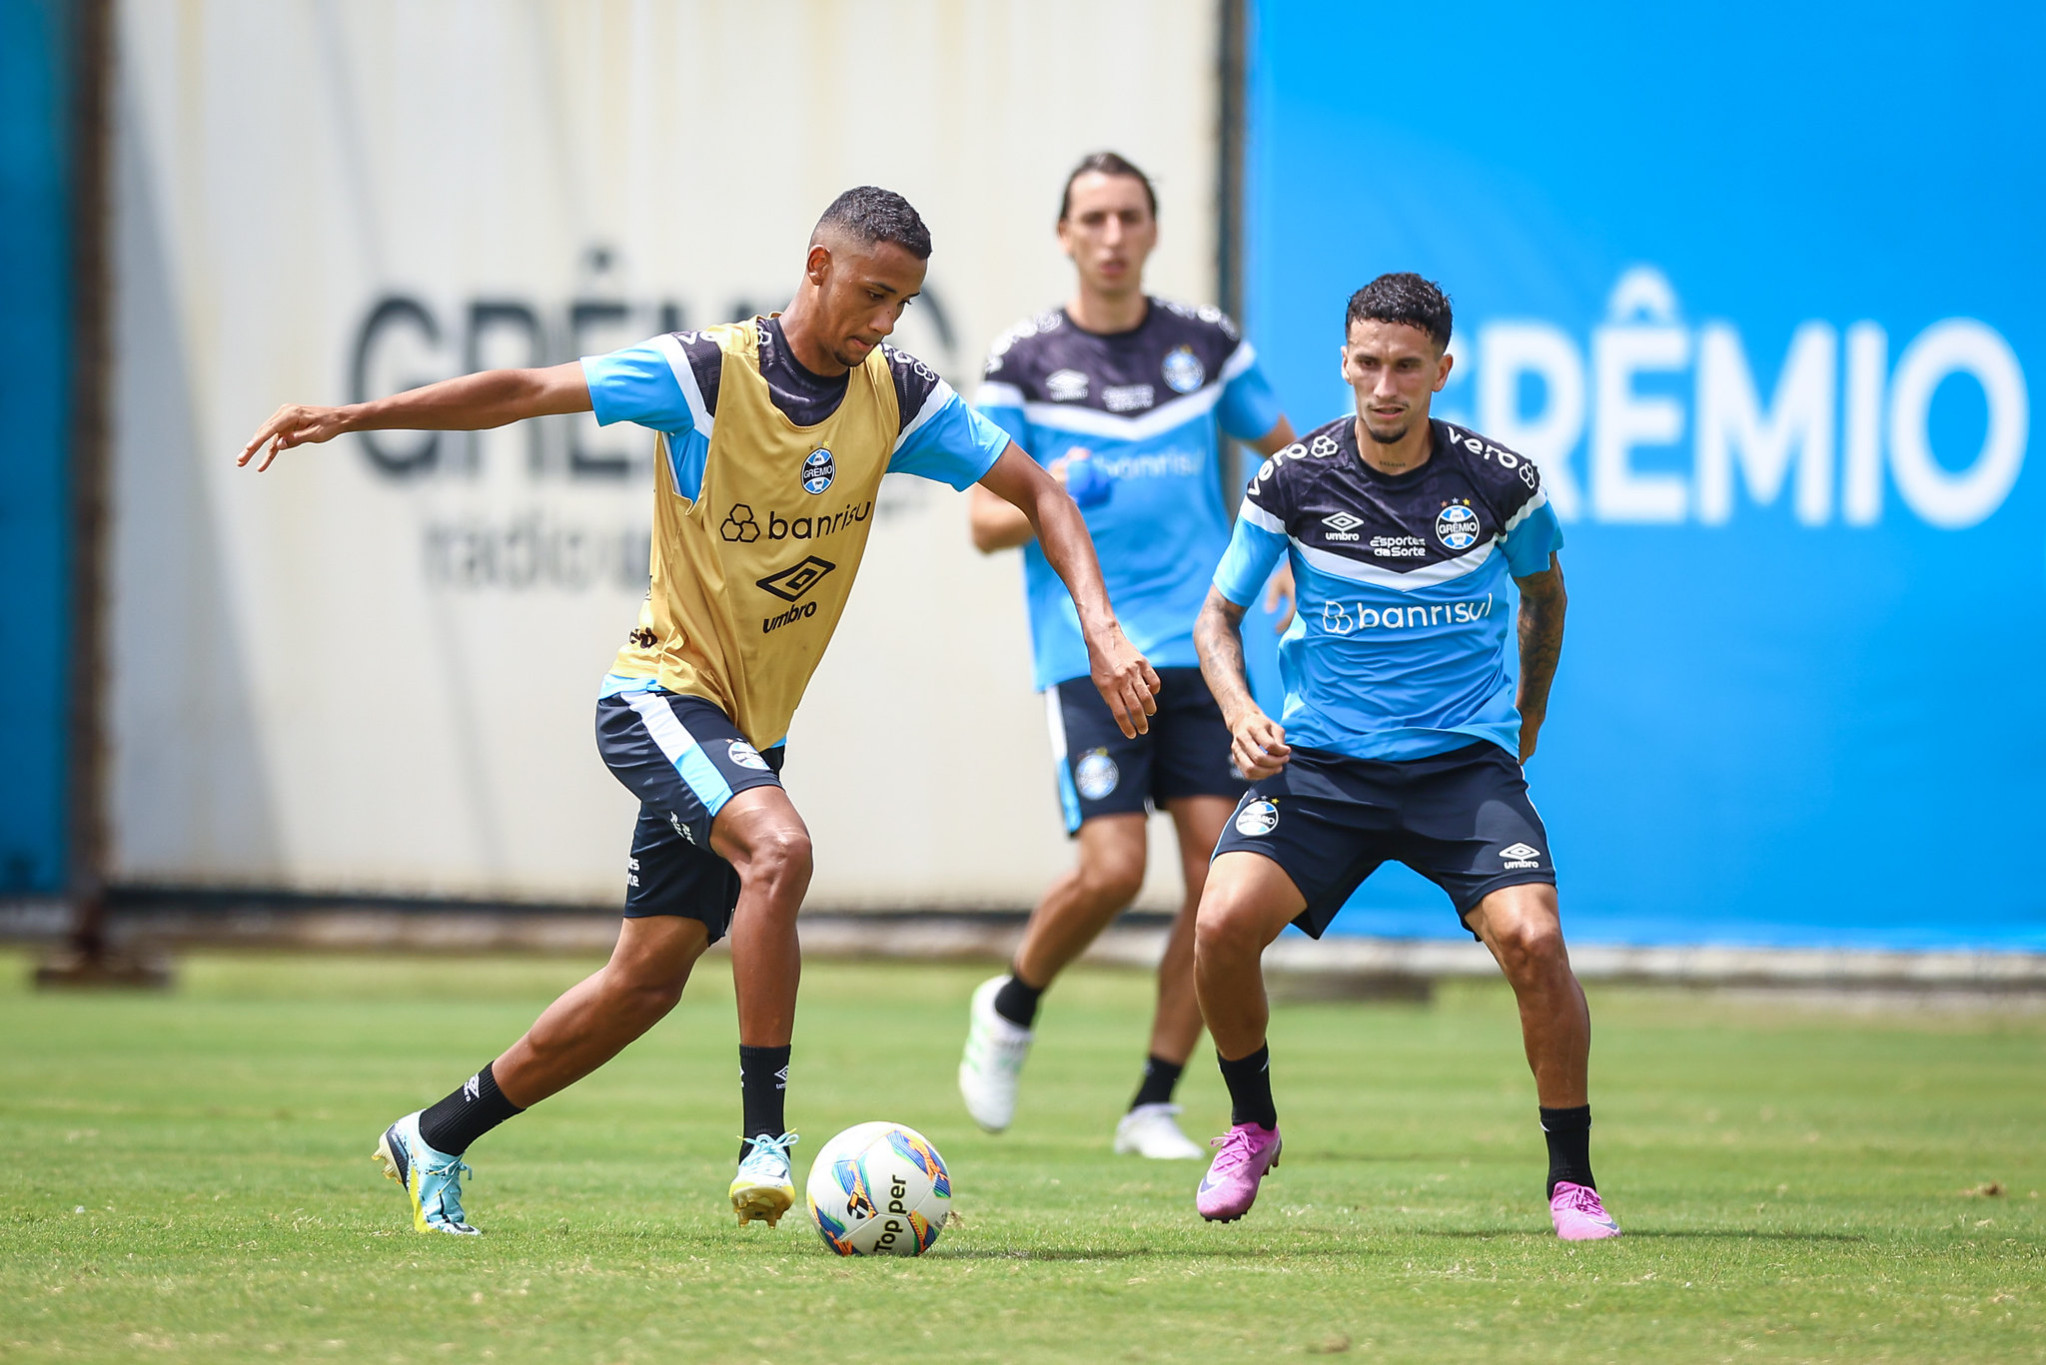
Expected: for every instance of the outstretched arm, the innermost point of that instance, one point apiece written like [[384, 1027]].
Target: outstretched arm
[[1542, 603], [1257, 742], [998, 524], [1126, 679], [473, 402]]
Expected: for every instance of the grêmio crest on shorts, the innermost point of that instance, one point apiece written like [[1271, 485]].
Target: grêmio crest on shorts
[[1399, 647]]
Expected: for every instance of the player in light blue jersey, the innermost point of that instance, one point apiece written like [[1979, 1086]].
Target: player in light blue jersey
[[1125, 398], [1403, 732]]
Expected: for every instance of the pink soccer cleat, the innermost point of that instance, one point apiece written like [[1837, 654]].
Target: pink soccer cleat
[[1230, 1186], [1579, 1215]]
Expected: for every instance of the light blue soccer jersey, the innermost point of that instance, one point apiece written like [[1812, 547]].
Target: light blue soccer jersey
[[1398, 649], [1144, 407]]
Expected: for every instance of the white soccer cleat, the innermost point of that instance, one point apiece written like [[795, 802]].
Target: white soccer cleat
[[993, 1062], [764, 1187], [1150, 1130]]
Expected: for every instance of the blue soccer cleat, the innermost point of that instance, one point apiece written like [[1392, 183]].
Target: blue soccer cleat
[[763, 1188], [432, 1180]]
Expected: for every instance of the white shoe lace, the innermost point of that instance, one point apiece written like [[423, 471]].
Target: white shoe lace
[[765, 1147]]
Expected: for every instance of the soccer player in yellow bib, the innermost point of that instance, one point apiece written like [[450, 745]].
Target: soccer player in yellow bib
[[761, 425]]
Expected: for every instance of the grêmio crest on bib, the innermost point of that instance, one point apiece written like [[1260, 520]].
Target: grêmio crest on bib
[[819, 469]]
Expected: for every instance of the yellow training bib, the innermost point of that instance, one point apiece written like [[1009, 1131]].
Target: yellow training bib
[[750, 578]]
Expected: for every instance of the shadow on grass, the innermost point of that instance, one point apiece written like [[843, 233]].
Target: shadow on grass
[[1084, 1254], [1436, 1159], [1742, 1234], [1636, 1234]]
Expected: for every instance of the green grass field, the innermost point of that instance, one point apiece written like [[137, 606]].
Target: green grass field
[[187, 1177]]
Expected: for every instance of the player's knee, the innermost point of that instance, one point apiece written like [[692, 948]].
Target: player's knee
[[1531, 945], [1112, 882], [1226, 929], [645, 998], [779, 857]]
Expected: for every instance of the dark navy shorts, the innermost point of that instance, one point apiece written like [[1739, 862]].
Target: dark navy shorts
[[1460, 819], [684, 759], [1185, 753]]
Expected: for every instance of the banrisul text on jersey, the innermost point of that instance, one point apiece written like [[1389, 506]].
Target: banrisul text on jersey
[[1399, 647], [1135, 416]]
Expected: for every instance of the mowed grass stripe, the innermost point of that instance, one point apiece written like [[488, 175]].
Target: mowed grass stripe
[[1794, 1182]]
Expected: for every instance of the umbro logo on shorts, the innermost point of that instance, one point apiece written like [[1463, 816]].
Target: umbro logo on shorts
[[1520, 855]]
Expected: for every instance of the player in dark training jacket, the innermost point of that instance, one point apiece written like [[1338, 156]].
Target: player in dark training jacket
[[1403, 732], [1124, 397]]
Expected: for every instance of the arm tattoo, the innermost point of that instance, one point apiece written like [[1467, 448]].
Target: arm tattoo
[[1218, 635], [1542, 605]]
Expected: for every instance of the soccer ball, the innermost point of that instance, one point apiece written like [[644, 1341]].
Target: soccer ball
[[879, 1189]]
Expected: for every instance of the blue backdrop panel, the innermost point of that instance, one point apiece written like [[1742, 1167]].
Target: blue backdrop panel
[[1760, 286], [34, 342]]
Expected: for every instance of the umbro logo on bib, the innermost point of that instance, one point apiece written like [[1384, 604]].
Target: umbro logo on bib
[[791, 583]]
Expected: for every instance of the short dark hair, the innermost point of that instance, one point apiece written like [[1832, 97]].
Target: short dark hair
[[1106, 163], [872, 215], [1404, 297]]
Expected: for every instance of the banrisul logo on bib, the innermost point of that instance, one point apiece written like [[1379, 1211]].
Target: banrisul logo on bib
[[818, 471], [1457, 527]]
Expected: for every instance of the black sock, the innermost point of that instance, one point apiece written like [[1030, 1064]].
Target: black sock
[[1569, 1135], [1017, 1000], [1250, 1088], [763, 1087], [475, 1108], [1160, 1076]]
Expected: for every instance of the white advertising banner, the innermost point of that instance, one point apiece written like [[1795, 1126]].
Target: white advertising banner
[[374, 668]]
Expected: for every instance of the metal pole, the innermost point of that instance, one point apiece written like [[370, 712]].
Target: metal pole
[[1231, 71], [90, 959]]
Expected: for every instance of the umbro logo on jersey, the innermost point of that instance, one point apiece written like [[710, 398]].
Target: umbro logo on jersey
[[790, 585], [793, 582], [1342, 526], [1520, 855], [1065, 386]]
